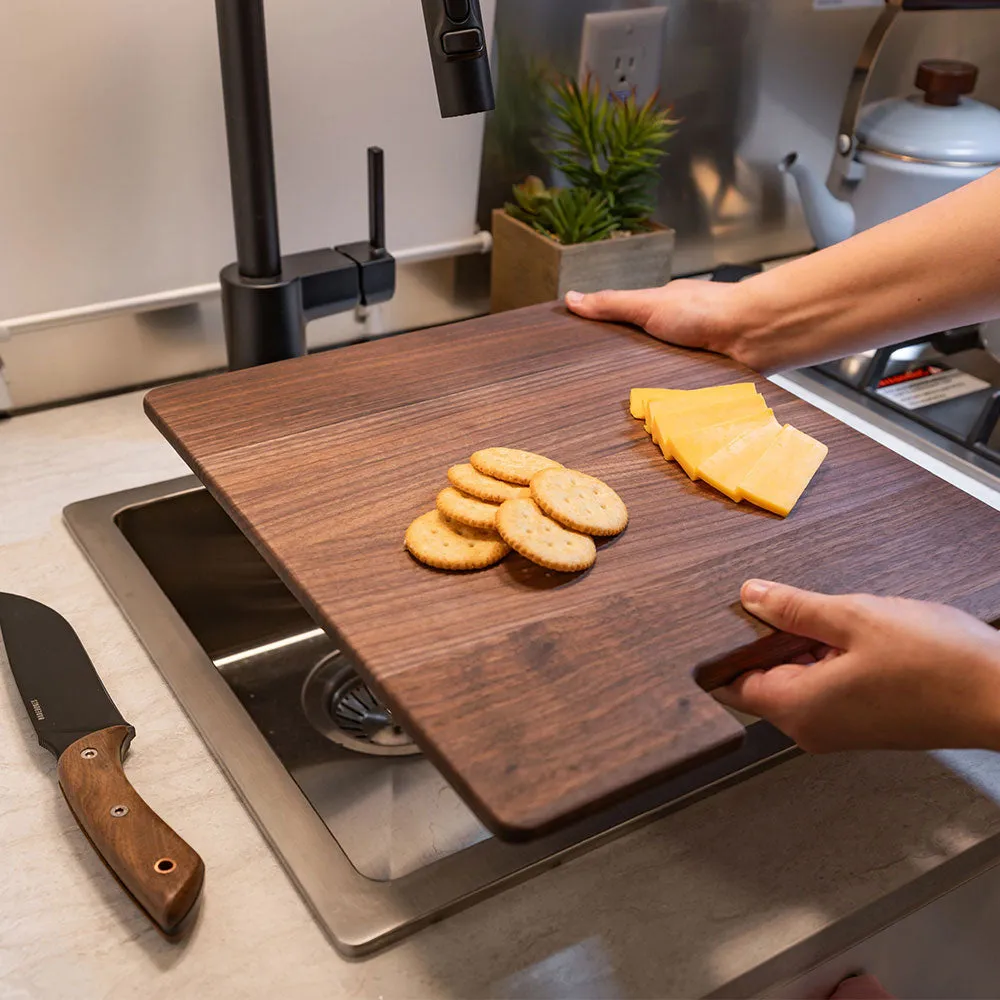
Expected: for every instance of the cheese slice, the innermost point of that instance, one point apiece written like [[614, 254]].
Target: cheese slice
[[779, 477], [726, 468], [668, 422], [639, 399], [694, 445]]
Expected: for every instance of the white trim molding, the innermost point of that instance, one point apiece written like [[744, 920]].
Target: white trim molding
[[480, 243]]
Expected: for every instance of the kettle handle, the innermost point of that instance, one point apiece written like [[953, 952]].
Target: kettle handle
[[846, 146], [854, 98]]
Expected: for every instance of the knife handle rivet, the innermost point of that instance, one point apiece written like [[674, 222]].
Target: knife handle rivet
[[119, 811], [89, 754]]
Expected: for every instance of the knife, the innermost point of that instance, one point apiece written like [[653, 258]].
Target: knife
[[77, 721]]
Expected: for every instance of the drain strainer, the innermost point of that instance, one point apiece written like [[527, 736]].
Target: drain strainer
[[340, 705]]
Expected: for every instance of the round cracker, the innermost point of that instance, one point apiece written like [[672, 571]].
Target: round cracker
[[579, 501], [468, 480], [456, 506], [445, 544], [510, 464], [529, 532]]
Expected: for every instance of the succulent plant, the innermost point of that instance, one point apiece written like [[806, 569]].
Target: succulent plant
[[609, 149], [529, 197], [575, 215]]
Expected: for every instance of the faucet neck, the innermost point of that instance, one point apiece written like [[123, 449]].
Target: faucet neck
[[246, 94]]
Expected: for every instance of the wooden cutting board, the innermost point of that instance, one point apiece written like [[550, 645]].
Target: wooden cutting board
[[543, 696]]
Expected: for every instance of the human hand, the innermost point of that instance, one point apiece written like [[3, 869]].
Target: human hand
[[887, 673], [707, 315]]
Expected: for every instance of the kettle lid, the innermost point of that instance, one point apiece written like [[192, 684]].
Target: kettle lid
[[941, 125]]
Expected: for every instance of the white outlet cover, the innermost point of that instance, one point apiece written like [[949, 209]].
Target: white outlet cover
[[623, 49]]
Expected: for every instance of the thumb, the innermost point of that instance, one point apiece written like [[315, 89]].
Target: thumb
[[623, 307], [822, 617]]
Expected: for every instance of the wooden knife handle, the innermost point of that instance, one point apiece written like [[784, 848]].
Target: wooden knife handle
[[160, 871]]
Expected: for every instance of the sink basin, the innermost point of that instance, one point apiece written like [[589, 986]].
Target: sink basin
[[375, 839], [285, 673]]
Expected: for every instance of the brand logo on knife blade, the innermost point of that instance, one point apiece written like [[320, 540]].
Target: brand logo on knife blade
[[37, 709]]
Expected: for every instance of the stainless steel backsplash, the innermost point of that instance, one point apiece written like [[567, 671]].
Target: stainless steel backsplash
[[751, 80]]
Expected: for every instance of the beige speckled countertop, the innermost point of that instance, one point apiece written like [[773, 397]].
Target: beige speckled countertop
[[721, 890]]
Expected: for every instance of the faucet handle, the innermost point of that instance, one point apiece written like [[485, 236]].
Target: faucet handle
[[376, 266], [376, 200]]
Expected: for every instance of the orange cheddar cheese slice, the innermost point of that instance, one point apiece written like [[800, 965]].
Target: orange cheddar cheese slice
[[780, 476], [668, 422], [693, 445], [639, 399], [726, 468]]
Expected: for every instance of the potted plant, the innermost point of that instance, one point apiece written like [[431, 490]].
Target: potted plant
[[597, 231]]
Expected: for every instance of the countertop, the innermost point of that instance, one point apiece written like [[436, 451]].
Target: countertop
[[722, 897]]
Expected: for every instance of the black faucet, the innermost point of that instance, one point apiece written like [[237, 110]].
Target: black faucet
[[268, 299]]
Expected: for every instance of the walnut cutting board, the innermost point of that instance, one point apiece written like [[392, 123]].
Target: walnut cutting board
[[541, 696]]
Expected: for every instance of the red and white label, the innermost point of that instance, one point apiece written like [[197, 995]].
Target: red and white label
[[928, 385]]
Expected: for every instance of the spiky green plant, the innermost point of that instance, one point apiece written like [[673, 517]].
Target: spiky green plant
[[609, 149], [575, 215], [611, 146]]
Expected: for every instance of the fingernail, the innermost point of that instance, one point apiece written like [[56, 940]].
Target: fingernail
[[574, 298], [754, 591]]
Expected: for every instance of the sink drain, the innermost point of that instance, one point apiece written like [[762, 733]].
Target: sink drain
[[343, 708]]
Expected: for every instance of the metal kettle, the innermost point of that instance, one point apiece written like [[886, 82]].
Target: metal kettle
[[897, 154]]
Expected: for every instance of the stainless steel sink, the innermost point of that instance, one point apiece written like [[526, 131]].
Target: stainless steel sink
[[376, 840]]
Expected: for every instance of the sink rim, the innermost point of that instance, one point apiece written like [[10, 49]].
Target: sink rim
[[359, 915]]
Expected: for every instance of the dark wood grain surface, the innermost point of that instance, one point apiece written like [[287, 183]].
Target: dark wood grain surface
[[541, 696]]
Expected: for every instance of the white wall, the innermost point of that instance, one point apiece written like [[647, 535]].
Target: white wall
[[113, 172]]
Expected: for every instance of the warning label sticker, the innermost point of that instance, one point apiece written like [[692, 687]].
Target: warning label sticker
[[928, 385]]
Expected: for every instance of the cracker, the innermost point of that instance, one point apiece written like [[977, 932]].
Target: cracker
[[445, 544], [456, 506], [511, 465], [536, 537], [467, 480], [579, 501]]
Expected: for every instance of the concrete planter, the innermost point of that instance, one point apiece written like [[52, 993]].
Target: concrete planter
[[529, 268]]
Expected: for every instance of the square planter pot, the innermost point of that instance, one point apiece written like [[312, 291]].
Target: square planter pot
[[529, 268]]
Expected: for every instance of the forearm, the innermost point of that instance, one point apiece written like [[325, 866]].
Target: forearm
[[984, 733], [932, 269]]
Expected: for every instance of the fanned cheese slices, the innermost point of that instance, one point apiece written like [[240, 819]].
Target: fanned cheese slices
[[728, 437], [667, 424]]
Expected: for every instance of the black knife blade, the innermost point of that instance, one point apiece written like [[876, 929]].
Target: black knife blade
[[77, 721]]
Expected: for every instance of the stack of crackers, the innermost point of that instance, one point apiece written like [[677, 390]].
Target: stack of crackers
[[504, 499]]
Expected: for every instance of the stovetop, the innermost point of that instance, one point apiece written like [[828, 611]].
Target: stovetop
[[941, 392], [946, 386]]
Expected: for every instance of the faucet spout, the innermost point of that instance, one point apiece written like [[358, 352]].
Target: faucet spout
[[830, 220], [456, 36]]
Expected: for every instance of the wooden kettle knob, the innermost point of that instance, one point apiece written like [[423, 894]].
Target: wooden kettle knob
[[944, 81]]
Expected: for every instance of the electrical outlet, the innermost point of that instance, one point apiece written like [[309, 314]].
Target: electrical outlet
[[623, 50]]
